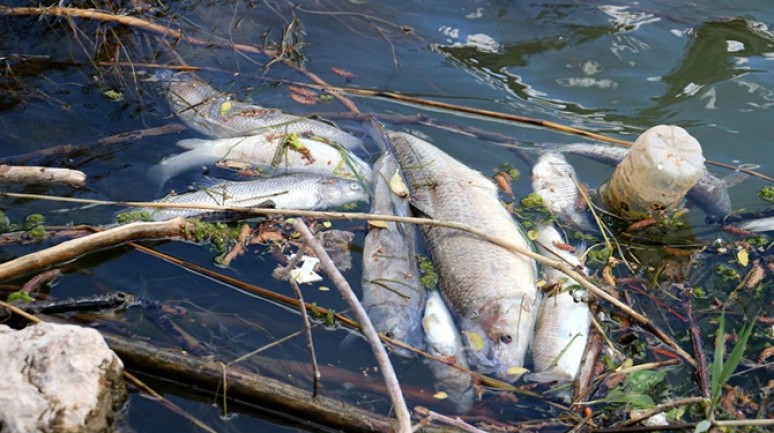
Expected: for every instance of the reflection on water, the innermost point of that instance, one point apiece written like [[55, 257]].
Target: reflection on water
[[607, 66]]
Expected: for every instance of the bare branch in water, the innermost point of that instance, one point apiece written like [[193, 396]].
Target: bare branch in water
[[390, 379]]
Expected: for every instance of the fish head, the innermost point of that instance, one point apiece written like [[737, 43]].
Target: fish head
[[498, 338], [337, 192], [404, 328]]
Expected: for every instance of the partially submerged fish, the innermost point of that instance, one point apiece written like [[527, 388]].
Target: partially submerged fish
[[299, 191], [562, 327], [555, 181], [393, 296], [491, 289], [443, 340], [271, 154], [710, 193], [216, 115]]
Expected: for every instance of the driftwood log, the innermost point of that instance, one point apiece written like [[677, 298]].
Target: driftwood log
[[30, 175]]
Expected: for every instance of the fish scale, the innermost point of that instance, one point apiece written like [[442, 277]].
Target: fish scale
[[491, 289]]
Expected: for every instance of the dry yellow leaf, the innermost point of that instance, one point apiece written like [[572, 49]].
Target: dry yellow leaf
[[512, 371], [440, 395], [397, 186], [475, 341], [742, 257], [377, 224]]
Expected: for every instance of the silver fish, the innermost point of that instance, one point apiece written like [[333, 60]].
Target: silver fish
[[299, 191], [491, 289], [216, 115], [562, 327], [710, 193], [760, 225], [555, 181], [271, 154], [392, 293], [443, 340]]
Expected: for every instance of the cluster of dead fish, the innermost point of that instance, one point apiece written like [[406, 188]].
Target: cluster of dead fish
[[491, 291], [299, 163]]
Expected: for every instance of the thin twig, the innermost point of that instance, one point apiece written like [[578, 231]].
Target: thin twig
[[431, 416], [304, 317], [390, 379], [662, 407], [503, 243]]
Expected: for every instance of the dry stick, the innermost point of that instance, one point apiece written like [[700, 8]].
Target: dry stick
[[130, 377], [51, 153], [504, 243], [390, 379], [431, 416], [304, 317], [662, 407], [69, 250], [31, 175]]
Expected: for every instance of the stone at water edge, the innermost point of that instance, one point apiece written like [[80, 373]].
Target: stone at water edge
[[57, 379], [663, 164]]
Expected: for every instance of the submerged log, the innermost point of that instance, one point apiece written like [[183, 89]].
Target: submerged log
[[246, 386], [663, 164]]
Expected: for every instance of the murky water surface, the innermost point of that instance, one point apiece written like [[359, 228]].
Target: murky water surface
[[615, 68]]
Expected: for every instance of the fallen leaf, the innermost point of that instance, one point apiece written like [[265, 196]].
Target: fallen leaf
[[475, 341]]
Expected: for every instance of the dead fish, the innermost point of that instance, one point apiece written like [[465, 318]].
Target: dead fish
[[270, 154], [562, 327], [216, 115], [299, 191], [393, 296], [710, 193], [491, 289], [443, 340], [555, 181]]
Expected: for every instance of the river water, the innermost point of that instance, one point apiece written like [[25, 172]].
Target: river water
[[615, 68]]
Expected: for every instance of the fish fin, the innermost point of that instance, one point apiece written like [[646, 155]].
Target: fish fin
[[421, 202], [192, 143], [734, 179]]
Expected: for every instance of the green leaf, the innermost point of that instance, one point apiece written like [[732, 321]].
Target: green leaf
[[644, 380], [702, 426]]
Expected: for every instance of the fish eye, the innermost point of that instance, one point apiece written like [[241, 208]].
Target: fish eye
[[354, 186], [389, 334], [506, 339]]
